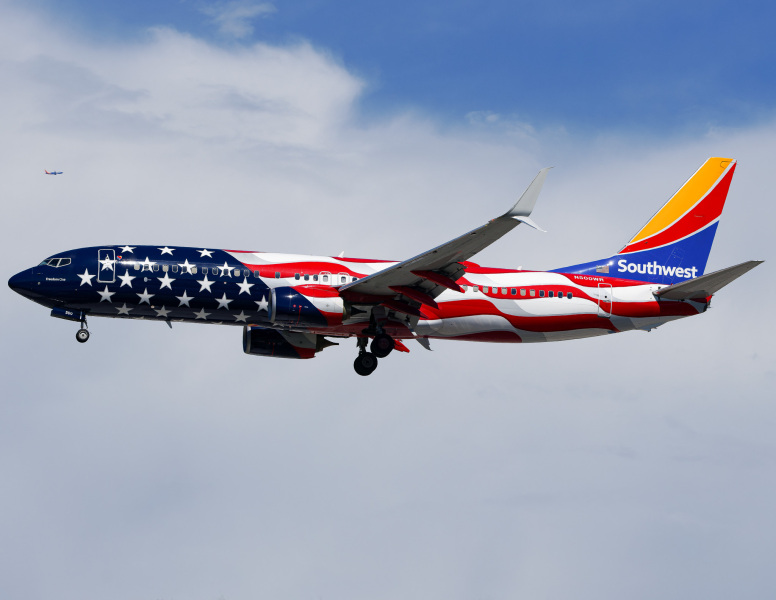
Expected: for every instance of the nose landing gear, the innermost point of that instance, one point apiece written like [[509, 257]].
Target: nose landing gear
[[82, 335]]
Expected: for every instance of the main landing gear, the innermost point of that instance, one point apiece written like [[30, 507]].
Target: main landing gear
[[82, 335], [366, 362]]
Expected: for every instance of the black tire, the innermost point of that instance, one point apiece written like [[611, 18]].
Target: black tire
[[82, 335], [365, 363], [382, 345]]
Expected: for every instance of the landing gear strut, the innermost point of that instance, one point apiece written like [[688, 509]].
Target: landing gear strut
[[82, 335], [366, 362]]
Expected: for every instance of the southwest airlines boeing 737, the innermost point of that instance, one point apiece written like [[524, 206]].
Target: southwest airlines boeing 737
[[292, 306]]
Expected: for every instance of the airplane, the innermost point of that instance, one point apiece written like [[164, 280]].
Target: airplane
[[294, 306], [53, 172]]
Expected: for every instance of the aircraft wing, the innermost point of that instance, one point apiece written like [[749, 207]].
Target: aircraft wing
[[706, 285], [425, 276]]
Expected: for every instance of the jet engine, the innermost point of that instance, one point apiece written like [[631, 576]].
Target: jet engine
[[315, 308], [282, 344]]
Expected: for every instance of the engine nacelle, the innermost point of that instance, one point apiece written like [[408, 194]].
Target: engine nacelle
[[318, 306], [282, 344]]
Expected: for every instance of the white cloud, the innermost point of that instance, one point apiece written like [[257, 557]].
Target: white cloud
[[234, 18], [158, 463]]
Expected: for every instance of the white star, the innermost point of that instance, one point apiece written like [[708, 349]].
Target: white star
[[184, 299], [86, 278], [128, 248], [162, 312], [245, 286], [206, 283], [241, 317], [126, 279], [105, 295], [166, 250], [166, 281], [123, 310], [223, 301], [147, 264], [145, 297], [203, 253], [186, 266], [226, 269], [107, 263], [202, 314], [263, 304]]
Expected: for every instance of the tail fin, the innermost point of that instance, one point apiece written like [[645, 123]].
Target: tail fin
[[675, 243]]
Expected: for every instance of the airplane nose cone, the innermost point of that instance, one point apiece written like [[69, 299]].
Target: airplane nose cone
[[23, 283]]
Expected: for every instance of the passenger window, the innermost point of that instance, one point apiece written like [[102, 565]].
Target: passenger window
[[475, 288], [325, 278], [344, 279], [541, 293], [165, 268], [504, 291], [307, 278], [175, 268], [296, 276], [485, 289], [355, 278], [137, 266], [533, 293], [315, 278], [522, 292], [194, 270], [569, 295], [255, 273], [552, 294], [277, 275]]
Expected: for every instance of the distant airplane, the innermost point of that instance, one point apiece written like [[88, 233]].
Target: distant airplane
[[53, 172], [289, 305]]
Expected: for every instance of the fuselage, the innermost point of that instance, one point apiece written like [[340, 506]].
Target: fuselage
[[300, 293]]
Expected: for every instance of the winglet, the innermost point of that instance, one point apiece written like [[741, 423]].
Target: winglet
[[523, 208]]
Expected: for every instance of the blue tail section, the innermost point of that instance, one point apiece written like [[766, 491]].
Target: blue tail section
[[675, 243]]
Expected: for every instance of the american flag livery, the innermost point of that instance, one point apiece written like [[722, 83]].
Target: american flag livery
[[294, 306]]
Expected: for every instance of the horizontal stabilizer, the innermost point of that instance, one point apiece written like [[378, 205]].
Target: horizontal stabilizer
[[706, 285]]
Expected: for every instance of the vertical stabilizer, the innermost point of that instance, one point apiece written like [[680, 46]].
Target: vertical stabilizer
[[675, 243]]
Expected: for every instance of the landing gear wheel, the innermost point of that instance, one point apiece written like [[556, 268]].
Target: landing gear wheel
[[382, 345], [82, 335], [365, 364]]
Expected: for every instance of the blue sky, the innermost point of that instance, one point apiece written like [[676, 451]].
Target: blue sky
[[662, 67], [165, 463]]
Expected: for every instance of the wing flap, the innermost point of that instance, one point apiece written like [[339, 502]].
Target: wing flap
[[706, 285]]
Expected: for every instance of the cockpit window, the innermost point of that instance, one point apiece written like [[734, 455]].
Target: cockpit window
[[55, 262]]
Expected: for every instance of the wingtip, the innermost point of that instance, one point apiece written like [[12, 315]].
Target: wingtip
[[524, 207]]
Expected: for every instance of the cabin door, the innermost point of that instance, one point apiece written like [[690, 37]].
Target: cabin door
[[106, 265], [604, 300]]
